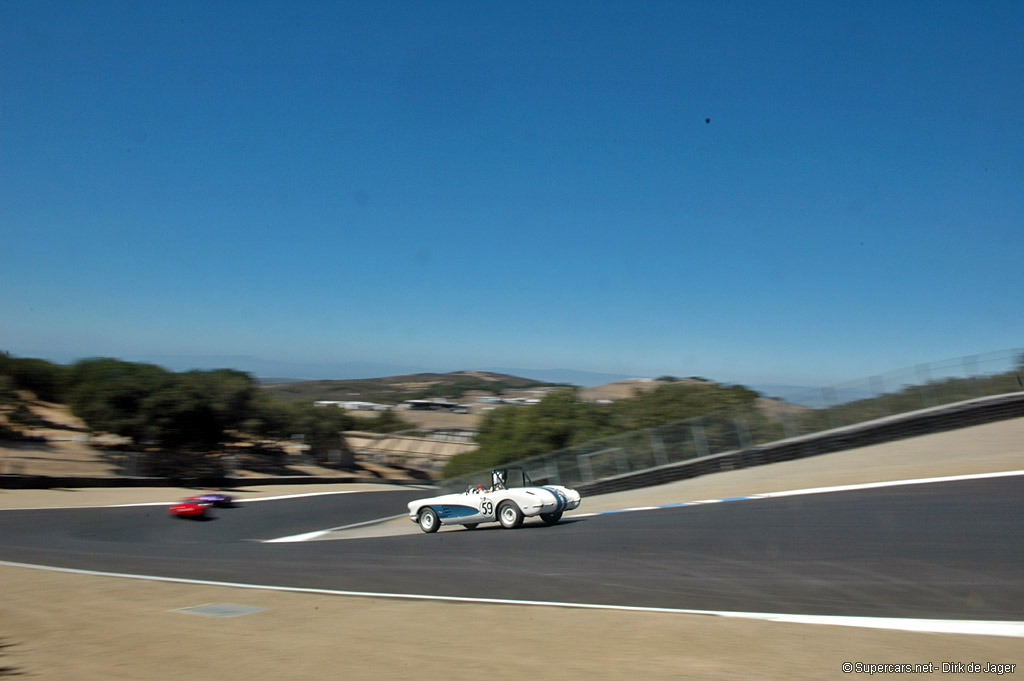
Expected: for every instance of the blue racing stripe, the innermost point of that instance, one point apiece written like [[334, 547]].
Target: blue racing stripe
[[454, 511], [560, 499]]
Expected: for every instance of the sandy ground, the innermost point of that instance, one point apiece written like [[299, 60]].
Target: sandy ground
[[63, 626], [438, 419]]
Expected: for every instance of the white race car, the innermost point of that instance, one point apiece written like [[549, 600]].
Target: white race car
[[510, 498]]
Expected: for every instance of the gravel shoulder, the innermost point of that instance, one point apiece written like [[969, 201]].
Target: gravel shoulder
[[65, 626]]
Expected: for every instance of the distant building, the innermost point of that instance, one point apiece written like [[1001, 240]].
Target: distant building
[[352, 406], [437, 404]]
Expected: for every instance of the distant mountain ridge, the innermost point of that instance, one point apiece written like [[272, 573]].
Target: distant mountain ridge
[[280, 370], [277, 371], [570, 376], [395, 389]]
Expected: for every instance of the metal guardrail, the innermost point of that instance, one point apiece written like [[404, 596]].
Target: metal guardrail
[[886, 407]]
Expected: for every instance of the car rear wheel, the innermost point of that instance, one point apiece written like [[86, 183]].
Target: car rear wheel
[[551, 518], [428, 520], [509, 515]]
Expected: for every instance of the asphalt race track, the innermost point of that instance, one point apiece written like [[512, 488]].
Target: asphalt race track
[[948, 550]]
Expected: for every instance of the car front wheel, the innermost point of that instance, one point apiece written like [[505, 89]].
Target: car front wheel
[[428, 520], [551, 518], [509, 515]]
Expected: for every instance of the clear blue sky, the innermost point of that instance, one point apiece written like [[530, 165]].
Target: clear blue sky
[[456, 185]]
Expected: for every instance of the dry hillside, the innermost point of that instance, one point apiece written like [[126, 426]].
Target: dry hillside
[[57, 443]]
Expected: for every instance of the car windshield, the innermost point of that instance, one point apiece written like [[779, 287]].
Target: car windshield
[[502, 478]]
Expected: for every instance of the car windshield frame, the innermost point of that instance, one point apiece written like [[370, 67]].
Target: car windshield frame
[[521, 477]]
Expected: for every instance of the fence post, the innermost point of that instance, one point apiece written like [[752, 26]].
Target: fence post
[[620, 461], [877, 385], [970, 364], [788, 424], [552, 467], [743, 432], [586, 470], [924, 376], [699, 441], [829, 396], [658, 447]]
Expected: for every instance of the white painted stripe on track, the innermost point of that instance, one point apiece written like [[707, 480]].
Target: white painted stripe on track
[[812, 490], [307, 536], [892, 483], [1002, 628], [765, 495], [300, 496]]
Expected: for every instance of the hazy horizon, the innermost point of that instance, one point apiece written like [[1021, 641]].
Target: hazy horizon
[[784, 193]]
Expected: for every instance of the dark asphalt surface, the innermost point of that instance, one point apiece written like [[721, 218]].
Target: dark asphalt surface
[[950, 550]]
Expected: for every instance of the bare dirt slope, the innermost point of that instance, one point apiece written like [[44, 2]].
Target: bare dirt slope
[[89, 628], [618, 390], [58, 443]]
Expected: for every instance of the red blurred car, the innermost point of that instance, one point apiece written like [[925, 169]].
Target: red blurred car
[[189, 508]]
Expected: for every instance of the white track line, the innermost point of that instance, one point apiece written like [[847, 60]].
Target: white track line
[[892, 483], [315, 534], [968, 627], [307, 536]]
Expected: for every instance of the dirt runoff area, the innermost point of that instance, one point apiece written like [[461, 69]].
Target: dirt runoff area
[[88, 628]]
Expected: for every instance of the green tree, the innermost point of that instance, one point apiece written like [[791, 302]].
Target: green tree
[[118, 397], [560, 420], [152, 406], [48, 381]]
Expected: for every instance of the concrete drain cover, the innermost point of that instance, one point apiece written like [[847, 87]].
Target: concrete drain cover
[[220, 610]]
